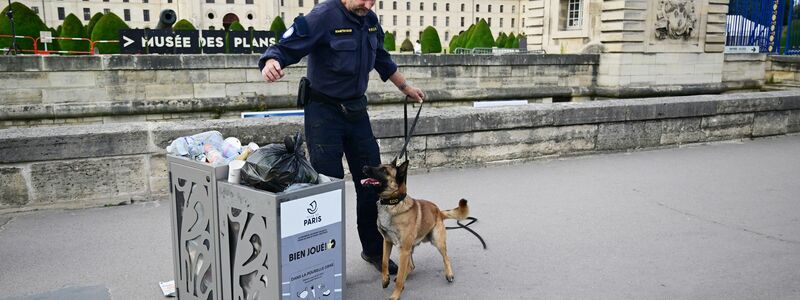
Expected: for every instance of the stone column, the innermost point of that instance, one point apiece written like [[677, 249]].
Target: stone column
[[661, 47]]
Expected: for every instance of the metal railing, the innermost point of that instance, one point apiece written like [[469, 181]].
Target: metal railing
[[495, 51], [36, 41]]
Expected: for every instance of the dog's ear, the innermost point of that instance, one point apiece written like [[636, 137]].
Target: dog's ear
[[402, 172], [394, 163]]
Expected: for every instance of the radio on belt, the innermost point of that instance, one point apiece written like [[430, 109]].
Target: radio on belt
[[269, 245]]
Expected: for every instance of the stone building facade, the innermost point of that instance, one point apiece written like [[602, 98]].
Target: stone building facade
[[405, 18]]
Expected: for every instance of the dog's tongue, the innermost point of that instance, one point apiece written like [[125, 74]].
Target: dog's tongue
[[370, 181]]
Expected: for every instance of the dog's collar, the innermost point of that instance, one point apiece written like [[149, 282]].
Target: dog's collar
[[393, 201]]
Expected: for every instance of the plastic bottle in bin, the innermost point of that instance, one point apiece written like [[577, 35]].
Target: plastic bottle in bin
[[230, 147], [193, 146], [213, 156]]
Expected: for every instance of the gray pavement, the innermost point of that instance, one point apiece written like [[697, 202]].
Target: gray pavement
[[718, 221]]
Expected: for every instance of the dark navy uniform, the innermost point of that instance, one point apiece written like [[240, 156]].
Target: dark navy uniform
[[342, 48]]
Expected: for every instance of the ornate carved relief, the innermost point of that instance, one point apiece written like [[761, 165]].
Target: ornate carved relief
[[195, 239], [675, 19]]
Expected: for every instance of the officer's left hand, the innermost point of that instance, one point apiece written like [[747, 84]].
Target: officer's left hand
[[414, 93]]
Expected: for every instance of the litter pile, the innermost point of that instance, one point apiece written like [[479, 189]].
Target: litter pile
[[274, 167]]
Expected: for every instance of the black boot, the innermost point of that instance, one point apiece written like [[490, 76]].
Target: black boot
[[376, 262]]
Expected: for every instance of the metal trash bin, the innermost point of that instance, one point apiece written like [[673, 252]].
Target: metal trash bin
[[284, 245], [195, 228]]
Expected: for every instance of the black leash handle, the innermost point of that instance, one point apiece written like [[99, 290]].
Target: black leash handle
[[408, 133], [472, 220]]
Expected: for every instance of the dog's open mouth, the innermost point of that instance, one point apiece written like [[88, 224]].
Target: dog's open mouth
[[370, 181]]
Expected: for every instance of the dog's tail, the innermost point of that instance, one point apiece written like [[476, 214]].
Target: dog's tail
[[459, 213]]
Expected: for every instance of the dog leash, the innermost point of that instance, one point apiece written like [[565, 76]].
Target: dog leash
[[472, 220], [407, 134], [404, 151]]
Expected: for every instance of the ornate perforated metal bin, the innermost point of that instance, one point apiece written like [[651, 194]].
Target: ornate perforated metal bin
[[195, 227], [282, 246]]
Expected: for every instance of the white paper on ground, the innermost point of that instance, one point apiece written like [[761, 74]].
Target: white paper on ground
[[168, 288]]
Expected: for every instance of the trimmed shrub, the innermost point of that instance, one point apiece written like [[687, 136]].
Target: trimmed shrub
[[236, 26], [389, 43], [183, 24], [482, 37], [73, 28], [430, 42], [453, 44], [407, 46], [510, 41], [278, 27], [92, 23], [462, 42], [107, 29], [501, 40], [26, 23]]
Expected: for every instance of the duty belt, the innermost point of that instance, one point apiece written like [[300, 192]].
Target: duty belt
[[314, 95]]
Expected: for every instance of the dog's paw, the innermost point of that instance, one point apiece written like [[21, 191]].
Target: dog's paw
[[385, 282], [450, 278]]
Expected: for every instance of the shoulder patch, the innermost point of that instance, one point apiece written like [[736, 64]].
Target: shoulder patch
[[288, 33], [301, 26]]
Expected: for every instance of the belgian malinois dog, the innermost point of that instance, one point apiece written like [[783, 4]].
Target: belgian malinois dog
[[406, 222]]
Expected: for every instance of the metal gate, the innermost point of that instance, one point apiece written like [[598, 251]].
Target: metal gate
[[771, 25], [791, 34], [750, 23]]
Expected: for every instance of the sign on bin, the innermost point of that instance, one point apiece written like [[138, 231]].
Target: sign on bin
[[311, 246]]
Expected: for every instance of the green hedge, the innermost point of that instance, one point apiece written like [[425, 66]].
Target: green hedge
[[278, 27], [389, 43], [511, 42], [453, 43], [430, 42], [482, 37], [73, 28], [407, 46], [501, 39], [183, 24], [92, 23], [26, 23], [107, 29]]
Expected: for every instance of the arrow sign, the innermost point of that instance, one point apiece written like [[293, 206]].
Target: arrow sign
[[128, 40]]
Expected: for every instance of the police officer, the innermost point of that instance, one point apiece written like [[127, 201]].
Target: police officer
[[344, 42]]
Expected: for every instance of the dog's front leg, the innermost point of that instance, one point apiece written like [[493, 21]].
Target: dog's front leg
[[402, 270], [387, 251]]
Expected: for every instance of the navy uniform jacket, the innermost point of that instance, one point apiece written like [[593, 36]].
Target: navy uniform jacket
[[342, 49]]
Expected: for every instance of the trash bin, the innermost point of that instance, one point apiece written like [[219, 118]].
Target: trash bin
[[282, 246], [232, 241], [195, 228]]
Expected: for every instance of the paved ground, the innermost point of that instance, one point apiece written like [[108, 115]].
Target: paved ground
[[715, 221]]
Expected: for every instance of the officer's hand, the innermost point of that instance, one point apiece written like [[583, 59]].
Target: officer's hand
[[414, 93], [272, 71]]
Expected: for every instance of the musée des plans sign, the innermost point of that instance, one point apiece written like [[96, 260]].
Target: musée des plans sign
[[165, 41]]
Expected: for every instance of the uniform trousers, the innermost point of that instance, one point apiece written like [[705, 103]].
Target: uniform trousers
[[330, 134]]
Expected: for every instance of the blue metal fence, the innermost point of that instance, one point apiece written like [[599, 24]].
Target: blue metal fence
[[791, 35], [750, 23]]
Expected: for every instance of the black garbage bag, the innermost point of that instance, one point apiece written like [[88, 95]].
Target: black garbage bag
[[276, 166]]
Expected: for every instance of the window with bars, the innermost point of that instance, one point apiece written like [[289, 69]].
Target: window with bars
[[421, 20], [87, 14], [408, 20], [394, 20], [434, 21], [490, 8], [462, 7], [447, 7], [380, 5], [126, 14], [300, 3], [61, 13], [422, 6], [574, 14], [434, 6], [446, 21], [146, 15]]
